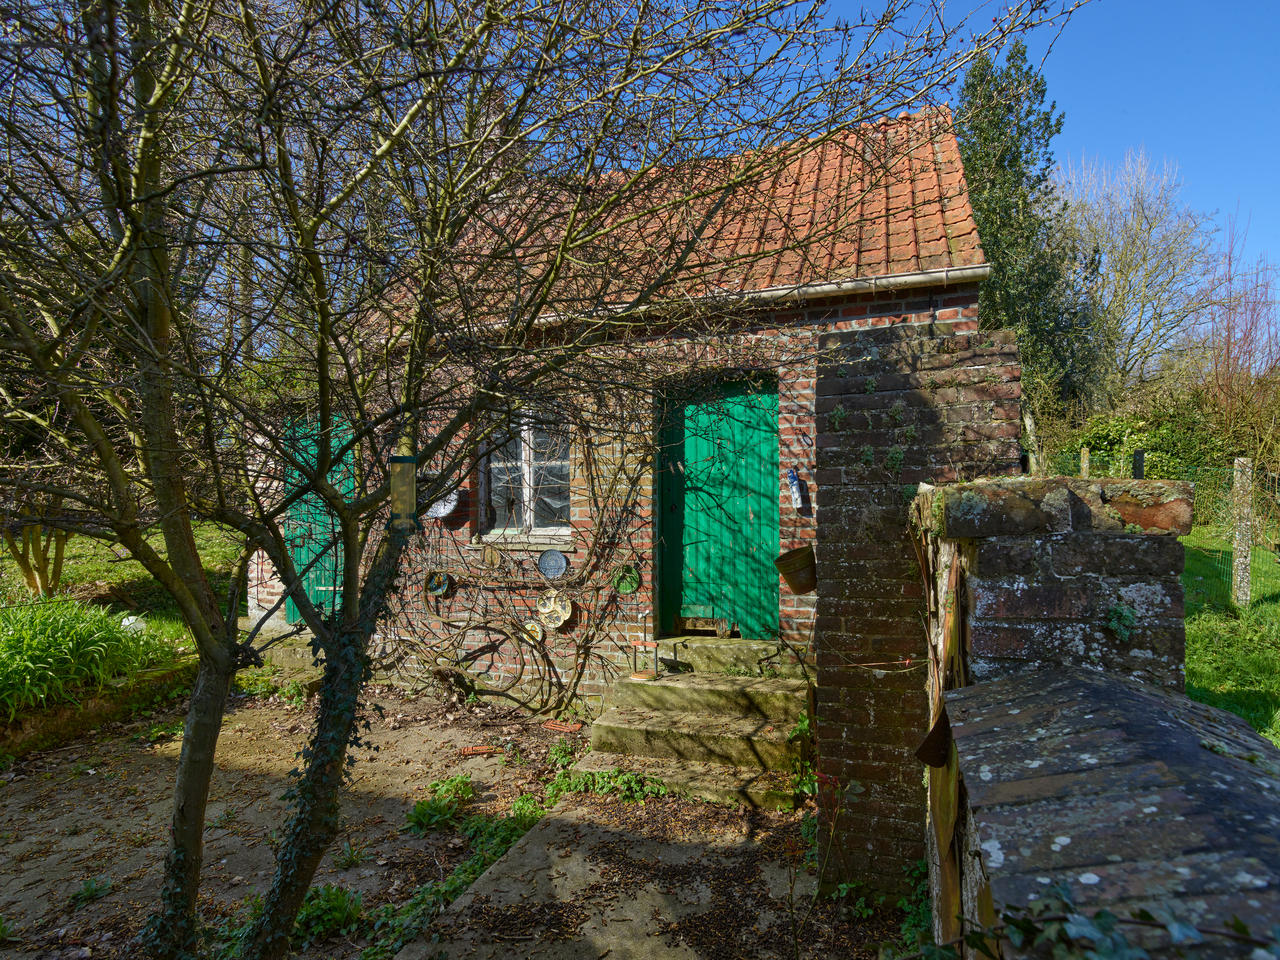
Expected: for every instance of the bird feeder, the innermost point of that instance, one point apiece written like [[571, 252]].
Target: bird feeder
[[403, 471]]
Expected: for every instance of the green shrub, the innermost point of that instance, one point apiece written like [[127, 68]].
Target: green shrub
[[52, 650], [1180, 437], [327, 911]]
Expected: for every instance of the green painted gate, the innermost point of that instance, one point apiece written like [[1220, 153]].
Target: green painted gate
[[314, 537], [718, 486]]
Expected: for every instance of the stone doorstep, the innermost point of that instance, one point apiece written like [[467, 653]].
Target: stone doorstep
[[713, 655], [753, 743], [762, 789], [780, 700]]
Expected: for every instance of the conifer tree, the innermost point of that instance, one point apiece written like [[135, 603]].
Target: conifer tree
[[1005, 130]]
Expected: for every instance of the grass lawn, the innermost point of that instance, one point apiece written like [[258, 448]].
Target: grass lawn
[[1233, 657], [88, 561]]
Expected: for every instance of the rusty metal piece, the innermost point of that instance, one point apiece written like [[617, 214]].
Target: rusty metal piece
[[935, 748]]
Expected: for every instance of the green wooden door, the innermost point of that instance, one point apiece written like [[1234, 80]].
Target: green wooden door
[[718, 510], [314, 537]]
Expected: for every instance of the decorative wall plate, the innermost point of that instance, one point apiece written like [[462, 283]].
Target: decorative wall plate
[[490, 557], [444, 506], [625, 579], [533, 631], [437, 583], [552, 564], [553, 609]]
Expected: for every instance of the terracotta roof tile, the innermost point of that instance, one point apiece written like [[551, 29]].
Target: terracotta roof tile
[[882, 199]]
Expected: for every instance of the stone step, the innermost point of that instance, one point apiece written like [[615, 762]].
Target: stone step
[[763, 789], [754, 743], [752, 658], [780, 700]]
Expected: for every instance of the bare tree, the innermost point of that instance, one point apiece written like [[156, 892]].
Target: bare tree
[[1150, 264], [252, 249], [1237, 355]]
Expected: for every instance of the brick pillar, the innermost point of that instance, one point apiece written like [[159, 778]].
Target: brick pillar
[[896, 406]]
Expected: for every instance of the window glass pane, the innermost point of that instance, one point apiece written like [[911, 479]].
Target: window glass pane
[[506, 448], [549, 444], [506, 497], [551, 495]]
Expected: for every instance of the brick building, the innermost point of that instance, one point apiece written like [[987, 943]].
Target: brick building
[[852, 371]]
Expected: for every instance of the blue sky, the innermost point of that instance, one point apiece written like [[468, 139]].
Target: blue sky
[[1196, 82]]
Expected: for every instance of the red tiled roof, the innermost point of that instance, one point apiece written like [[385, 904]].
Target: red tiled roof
[[883, 199]]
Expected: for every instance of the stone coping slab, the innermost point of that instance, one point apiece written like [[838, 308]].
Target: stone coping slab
[[1013, 506], [1132, 796]]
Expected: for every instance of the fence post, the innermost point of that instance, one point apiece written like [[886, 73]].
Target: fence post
[[1084, 462], [1242, 524]]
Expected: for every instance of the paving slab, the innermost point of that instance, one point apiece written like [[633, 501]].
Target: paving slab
[[594, 880]]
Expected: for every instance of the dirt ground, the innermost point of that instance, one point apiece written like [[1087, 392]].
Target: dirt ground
[[95, 812]]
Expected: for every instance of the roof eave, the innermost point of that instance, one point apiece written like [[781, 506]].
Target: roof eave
[[941, 277]]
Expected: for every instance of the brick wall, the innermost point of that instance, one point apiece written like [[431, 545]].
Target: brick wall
[[897, 406], [1066, 570], [264, 589]]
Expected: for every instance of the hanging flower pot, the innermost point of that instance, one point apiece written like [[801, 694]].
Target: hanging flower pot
[[799, 568]]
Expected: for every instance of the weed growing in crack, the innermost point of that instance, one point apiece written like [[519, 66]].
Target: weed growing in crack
[[560, 754], [350, 855], [443, 808], [623, 783], [92, 889]]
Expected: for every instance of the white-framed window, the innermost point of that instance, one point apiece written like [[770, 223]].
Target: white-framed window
[[526, 481]]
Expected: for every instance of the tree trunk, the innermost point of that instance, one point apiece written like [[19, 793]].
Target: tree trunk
[[315, 799], [315, 820], [170, 931], [22, 559]]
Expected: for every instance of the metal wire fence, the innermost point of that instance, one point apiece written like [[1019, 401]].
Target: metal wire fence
[[1217, 516]]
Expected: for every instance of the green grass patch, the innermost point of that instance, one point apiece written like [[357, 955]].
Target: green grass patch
[[1233, 656], [54, 651], [1207, 574], [1233, 662], [89, 561]]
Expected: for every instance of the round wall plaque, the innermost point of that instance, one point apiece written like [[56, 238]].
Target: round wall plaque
[[625, 579], [553, 609], [552, 564]]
